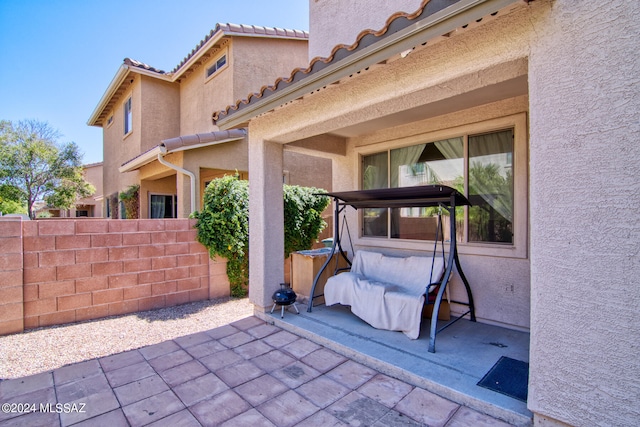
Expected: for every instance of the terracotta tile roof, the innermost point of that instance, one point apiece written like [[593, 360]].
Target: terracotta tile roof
[[394, 23], [133, 63], [244, 30]]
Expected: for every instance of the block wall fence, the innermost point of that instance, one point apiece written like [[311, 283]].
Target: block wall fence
[[63, 271]]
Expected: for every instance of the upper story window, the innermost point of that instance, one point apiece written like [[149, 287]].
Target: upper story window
[[128, 117], [481, 165], [110, 120], [217, 65]]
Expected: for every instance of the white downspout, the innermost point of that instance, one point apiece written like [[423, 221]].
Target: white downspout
[[191, 175]]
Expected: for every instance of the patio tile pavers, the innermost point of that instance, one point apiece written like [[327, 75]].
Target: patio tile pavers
[[273, 360], [183, 373], [220, 408], [222, 331], [246, 373], [253, 349], [351, 374], [183, 418], [240, 373], [19, 386], [251, 418], [280, 339], [221, 359], [169, 360], [82, 388], [141, 389], [357, 409], [117, 361], [467, 417], [205, 349], [296, 374], [48, 419], [322, 391], [77, 371], [323, 359], [113, 418], [261, 389], [262, 331], [385, 390], [300, 347], [427, 408], [153, 408], [237, 339], [129, 374], [88, 407], [43, 395], [193, 339], [204, 387], [321, 418], [160, 349], [288, 409]]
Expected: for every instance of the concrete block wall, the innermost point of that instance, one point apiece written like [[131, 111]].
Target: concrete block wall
[[11, 300], [61, 271]]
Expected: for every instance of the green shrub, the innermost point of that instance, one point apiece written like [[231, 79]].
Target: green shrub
[[223, 224]]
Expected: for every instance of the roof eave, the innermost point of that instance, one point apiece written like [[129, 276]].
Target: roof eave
[[441, 22], [116, 82]]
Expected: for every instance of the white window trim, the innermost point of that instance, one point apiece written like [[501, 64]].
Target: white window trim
[[124, 122], [224, 52], [519, 248]]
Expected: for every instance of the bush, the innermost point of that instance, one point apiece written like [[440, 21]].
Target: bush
[[223, 224]]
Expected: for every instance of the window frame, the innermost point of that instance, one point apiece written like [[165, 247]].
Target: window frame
[[174, 201], [127, 107], [519, 247], [224, 53]]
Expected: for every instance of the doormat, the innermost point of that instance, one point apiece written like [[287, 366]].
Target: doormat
[[509, 377]]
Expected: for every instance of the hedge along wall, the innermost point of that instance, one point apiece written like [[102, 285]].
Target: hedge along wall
[[63, 271]]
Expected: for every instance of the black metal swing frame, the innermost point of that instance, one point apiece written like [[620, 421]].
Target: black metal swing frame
[[419, 196]]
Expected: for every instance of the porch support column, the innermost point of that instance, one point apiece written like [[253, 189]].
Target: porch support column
[[266, 221]]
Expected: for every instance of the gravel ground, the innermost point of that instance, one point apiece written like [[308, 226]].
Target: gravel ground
[[45, 349]]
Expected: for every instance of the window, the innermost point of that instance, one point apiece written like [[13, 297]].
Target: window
[[128, 117], [478, 165], [163, 206], [110, 120], [220, 62]]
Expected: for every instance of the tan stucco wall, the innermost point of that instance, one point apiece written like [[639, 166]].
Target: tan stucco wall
[[260, 61], [585, 203], [332, 21], [161, 112], [155, 117]]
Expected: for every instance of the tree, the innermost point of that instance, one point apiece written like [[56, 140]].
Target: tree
[[34, 166], [223, 223]]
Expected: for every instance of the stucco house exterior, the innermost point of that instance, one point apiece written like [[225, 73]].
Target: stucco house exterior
[[157, 129], [539, 96]]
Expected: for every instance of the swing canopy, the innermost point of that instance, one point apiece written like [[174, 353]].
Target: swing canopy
[[404, 197]]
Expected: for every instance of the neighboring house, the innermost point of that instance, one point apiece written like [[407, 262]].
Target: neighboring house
[[88, 207], [531, 108], [157, 128]]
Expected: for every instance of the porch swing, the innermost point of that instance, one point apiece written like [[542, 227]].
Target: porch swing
[[390, 292]]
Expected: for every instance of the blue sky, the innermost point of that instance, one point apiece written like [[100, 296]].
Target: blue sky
[[57, 57]]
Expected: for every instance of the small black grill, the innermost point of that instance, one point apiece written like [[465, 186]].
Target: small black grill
[[284, 297]]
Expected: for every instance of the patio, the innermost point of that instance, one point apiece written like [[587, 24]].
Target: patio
[[246, 373], [465, 352]]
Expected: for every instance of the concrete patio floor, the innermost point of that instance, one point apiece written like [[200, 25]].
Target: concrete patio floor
[[465, 352], [248, 373]]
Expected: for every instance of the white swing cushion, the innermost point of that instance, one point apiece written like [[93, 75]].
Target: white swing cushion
[[386, 292]]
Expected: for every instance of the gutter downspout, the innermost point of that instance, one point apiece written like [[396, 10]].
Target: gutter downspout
[[191, 175]]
